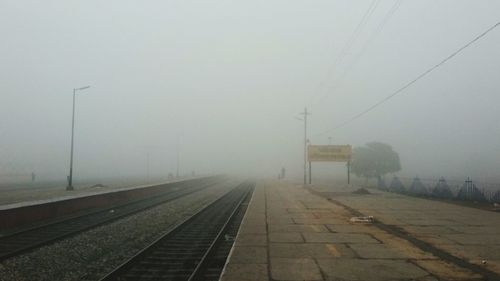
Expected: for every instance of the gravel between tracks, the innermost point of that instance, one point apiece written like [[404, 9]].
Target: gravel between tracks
[[92, 254]]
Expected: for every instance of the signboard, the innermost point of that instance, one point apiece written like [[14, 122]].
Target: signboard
[[331, 153]]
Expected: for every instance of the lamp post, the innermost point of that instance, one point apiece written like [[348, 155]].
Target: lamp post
[[178, 156], [305, 114], [70, 177], [147, 168]]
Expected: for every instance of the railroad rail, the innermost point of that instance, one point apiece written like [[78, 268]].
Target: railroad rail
[[191, 250], [14, 244], [210, 268]]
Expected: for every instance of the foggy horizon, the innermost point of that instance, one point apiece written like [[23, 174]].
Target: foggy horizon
[[221, 83]]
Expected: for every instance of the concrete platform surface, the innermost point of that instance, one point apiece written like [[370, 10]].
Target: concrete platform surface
[[294, 233]]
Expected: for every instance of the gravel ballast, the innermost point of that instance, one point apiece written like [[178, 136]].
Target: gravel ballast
[[94, 253]]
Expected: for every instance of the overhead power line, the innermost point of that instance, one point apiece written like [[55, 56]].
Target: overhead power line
[[358, 29], [377, 31], [345, 49], [422, 75]]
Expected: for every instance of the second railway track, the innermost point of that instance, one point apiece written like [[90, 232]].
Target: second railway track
[[194, 250], [29, 239]]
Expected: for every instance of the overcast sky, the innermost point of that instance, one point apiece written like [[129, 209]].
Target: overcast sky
[[226, 79]]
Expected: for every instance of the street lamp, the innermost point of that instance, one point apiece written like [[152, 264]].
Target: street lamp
[[178, 152], [305, 114], [70, 177]]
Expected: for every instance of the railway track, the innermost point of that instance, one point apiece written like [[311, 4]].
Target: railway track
[[194, 250], [28, 239]]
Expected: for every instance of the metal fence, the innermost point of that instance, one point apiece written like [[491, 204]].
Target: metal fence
[[466, 190]]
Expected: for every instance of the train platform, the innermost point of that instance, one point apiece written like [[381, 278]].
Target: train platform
[[21, 197], [26, 214], [292, 232]]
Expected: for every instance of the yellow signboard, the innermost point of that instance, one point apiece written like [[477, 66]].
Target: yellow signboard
[[332, 153]]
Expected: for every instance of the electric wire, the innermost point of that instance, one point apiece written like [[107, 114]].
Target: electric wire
[[345, 50], [358, 29], [377, 31], [413, 81]]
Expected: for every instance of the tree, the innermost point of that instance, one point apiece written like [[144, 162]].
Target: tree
[[376, 159]]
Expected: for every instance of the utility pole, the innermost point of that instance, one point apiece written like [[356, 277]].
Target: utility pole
[[70, 177], [178, 156], [147, 168], [305, 114], [348, 171]]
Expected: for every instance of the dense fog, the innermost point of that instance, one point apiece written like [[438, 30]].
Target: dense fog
[[219, 84]]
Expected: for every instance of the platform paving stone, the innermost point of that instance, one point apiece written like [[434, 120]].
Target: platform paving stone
[[321, 221], [339, 238], [373, 270], [431, 229], [249, 228], [374, 251], [310, 211], [447, 270], [474, 229], [295, 269], [430, 222], [275, 220], [349, 228], [474, 239], [249, 254], [290, 233], [284, 237], [476, 252], [309, 250], [299, 215], [435, 239], [252, 239], [298, 228], [245, 272]]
